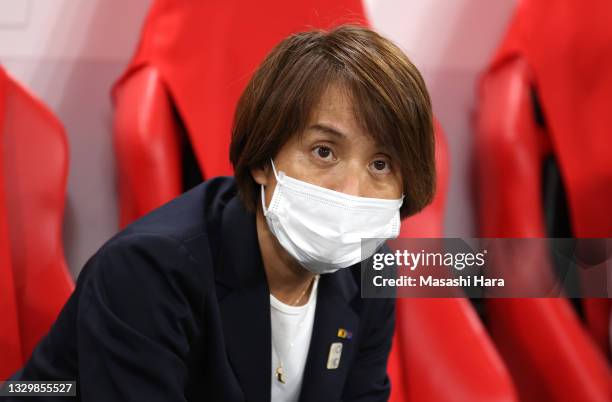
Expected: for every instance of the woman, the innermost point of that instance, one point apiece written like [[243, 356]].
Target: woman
[[248, 288]]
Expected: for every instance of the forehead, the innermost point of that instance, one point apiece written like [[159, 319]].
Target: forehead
[[334, 99], [337, 108]]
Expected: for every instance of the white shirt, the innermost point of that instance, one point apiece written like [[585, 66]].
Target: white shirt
[[291, 333]]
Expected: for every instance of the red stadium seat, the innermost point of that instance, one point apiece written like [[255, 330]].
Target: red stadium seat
[[33, 175], [548, 351], [169, 86], [441, 351], [147, 137], [10, 344]]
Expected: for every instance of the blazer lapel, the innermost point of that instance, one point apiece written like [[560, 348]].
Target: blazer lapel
[[246, 325], [244, 302], [333, 313]]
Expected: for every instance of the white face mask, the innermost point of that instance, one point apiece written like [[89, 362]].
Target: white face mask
[[321, 228]]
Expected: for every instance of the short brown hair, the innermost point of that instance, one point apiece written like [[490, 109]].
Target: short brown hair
[[388, 94]]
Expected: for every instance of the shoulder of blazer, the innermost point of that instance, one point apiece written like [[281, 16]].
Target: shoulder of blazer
[[196, 212], [176, 237]]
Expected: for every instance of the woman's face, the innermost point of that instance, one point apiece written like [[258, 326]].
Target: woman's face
[[335, 153]]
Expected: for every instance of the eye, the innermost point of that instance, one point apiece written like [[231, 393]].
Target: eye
[[380, 166], [324, 153]]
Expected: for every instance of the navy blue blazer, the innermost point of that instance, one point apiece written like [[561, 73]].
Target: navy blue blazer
[[176, 307]]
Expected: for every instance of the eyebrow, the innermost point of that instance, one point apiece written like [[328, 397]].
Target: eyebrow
[[335, 132], [327, 129]]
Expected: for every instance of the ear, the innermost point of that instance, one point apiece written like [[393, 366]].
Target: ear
[[260, 174]]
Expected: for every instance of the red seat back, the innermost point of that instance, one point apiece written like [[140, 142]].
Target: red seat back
[[35, 167], [205, 53], [441, 351], [10, 344], [547, 349]]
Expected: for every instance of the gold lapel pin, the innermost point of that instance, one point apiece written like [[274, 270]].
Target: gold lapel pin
[[344, 334]]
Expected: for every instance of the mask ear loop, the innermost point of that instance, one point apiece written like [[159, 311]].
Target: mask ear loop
[[274, 169], [263, 190]]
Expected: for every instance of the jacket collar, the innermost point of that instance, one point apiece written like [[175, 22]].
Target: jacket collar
[[244, 302]]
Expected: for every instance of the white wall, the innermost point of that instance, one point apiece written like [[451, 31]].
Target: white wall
[[69, 52]]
